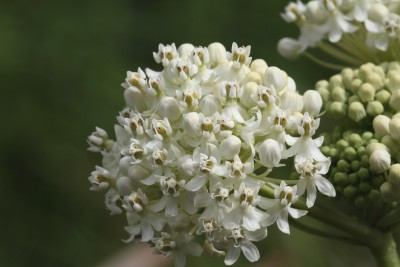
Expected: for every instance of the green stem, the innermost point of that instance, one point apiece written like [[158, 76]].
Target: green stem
[[385, 252]]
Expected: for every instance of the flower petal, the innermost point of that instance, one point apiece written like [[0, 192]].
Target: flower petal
[[232, 255], [325, 186], [250, 251]]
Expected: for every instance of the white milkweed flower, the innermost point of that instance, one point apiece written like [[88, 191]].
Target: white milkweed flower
[[191, 144], [335, 25], [280, 207], [311, 179]]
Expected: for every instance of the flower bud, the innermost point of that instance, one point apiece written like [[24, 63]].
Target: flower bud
[[347, 77], [366, 92], [276, 77], [379, 160], [312, 102], [191, 124], [390, 192], [336, 81], [337, 109], [324, 92], [137, 173], [253, 76], [259, 66], [292, 100], [375, 146], [382, 96], [339, 94], [186, 166], [290, 48], [357, 111], [390, 143], [394, 101], [381, 125], [169, 107], [249, 95], [210, 105], [230, 147], [377, 12], [124, 185], [394, 174], [314, 12], [393, 82], [185, 50], [374, 108], [270, 153], [217, 54], [355, 85], [394, 128]]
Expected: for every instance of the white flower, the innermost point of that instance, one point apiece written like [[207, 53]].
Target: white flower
[[165, 54], [280, 207], [270, 153], [241, 242], [311, 179], [239, 55]]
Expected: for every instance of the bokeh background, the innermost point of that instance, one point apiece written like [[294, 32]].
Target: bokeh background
[[61, 65]]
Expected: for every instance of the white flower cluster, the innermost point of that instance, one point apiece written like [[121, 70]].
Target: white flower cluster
[[191, 144], [356, 27]]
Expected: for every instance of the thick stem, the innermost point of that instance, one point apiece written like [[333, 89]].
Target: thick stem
[[385, 252]]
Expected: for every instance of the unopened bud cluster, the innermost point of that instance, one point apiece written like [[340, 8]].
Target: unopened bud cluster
[[351, 172], [352, 31], [188, 145], [364, 93]]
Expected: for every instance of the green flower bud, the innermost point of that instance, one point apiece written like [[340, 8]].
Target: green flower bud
[[324, 92], [373, 195], [342, 144], [363, 173], [322, 83], [337, 109], [394, 101], [350, 153], [390, 143], [376, 80], [366, 92], [353, 178], [364, 187], [333, 152], [375, 146], [355, 85], [374, 108], [339, 94], [354, 98], [394, 65], [366, 136], [294, 176], [357, 111], [343, 165], [325, 150], [393, 82], [383, 96], [350, 192], [335, 81], [394, 128], [340, 178], [389, 192], [364, 161], [377, 181], [347, 77], [355, 165], [366, 70], [394, 174], [360, 202], [361, 151], [381, 125], [355, 140]]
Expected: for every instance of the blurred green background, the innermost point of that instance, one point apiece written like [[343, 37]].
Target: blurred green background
[[61, 65]]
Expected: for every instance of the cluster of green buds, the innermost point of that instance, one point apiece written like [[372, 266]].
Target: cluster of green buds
[[363, 93], [366, 160], [351, 173]]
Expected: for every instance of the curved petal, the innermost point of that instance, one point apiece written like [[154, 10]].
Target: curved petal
[[325, 186], [196, 183], [301, 186], [311, 193], [250, 251], [193, 248], [282, 222], [147, 231], [232, 255], [296, 213], [202, 199]]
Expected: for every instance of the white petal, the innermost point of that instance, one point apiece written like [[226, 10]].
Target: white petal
[[180, 259], [196, 183], [156, 221], [250, 223], [147, 231], [250, 251], [282, 222], [203, 199], [257, 235], [325, 186], [232, 255], [296, 213], [171, 208], [311, 194], [301, 186], [159, 206]]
